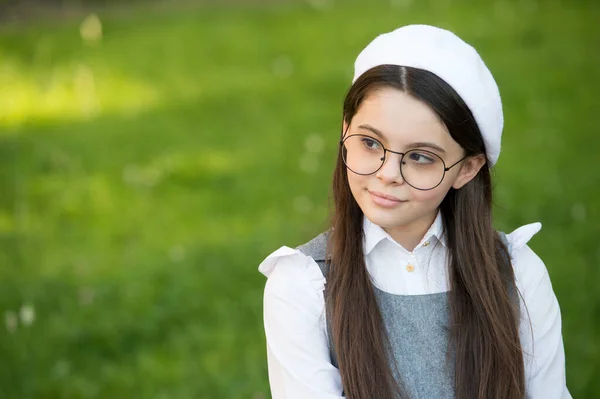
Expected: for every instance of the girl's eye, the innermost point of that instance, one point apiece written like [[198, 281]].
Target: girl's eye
[[421, 158], [370, 143]]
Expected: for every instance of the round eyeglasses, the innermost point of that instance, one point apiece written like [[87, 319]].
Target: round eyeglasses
[[420, 169]]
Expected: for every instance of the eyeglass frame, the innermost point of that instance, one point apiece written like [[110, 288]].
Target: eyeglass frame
[[385, 151]]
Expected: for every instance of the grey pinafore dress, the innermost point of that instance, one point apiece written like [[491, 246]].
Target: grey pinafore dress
[[417, 327]]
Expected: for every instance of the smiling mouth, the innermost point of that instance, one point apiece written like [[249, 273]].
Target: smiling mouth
[[385, 201], [385, 196]]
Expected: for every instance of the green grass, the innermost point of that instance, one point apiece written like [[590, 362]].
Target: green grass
[[145, 177]]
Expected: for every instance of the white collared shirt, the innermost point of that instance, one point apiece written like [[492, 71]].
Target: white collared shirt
[[294, 310]]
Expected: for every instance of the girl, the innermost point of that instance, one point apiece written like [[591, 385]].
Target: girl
[[411, 293]]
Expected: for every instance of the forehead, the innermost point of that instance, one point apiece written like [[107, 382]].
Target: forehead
[[401, 118]]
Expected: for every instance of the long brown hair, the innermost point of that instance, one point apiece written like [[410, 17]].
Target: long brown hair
[[484, 315]]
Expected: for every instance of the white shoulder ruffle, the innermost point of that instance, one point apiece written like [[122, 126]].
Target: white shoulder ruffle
[[520, 237], [292, 261]]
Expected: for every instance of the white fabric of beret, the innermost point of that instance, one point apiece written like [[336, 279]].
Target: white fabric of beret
[[457, 63]]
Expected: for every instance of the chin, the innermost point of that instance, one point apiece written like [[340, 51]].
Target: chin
[[386, 218]]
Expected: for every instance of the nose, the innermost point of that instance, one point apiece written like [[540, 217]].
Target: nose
[[390, 170]]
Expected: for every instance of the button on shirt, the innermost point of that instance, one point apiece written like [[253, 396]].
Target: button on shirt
[[294, 310]]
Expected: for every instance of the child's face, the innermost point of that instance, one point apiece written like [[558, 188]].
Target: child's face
[[402, 121]]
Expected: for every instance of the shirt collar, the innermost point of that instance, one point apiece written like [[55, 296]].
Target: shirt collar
[[374, 234]]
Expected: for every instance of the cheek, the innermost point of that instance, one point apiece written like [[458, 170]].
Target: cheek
[[428, 197], [357, 184], [355, 181], [432, 197]]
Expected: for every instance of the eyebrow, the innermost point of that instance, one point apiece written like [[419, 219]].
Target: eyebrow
[[418, 144]]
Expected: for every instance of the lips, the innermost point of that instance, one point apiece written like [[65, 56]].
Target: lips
[[385, 196], [384, 200]]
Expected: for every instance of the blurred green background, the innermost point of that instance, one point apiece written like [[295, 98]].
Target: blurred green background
[[151, 155]]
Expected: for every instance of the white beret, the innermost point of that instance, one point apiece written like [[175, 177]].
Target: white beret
[[446, 55]]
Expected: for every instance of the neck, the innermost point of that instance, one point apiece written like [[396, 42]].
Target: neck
[[410, 235]]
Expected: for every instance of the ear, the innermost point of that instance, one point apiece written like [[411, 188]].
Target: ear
[[469, 170], [344, 127]]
